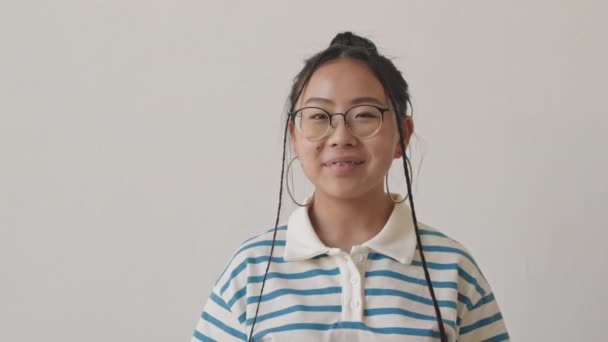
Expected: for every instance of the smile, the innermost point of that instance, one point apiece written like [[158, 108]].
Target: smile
[[342, 163], [343, 166]]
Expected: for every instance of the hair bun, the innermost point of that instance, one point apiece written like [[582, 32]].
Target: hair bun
[[349, 39]]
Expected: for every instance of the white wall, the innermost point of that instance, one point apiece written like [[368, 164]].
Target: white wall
[[140, 144]]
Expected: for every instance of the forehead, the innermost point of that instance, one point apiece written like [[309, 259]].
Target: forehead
[[342, 81]]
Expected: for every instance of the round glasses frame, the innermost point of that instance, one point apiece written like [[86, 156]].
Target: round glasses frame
[[297, 112]]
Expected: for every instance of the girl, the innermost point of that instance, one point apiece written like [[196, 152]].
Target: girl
[[353, 263]]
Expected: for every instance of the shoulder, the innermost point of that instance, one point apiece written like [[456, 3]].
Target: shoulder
[[441, 250], [444, 247], [254, 251]]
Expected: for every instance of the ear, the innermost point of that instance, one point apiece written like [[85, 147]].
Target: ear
[[292, 138], [407, 127]]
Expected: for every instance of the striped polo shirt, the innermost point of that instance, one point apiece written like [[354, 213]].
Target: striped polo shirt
[[375, 292]]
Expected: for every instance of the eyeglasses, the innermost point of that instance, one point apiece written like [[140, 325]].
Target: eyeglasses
[[364, 121]]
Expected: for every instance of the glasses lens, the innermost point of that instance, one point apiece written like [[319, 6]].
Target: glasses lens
[[364, 121], [313, 123]]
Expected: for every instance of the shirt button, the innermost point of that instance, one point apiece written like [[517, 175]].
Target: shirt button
[[354, 280], [355, 303], [359, 258]]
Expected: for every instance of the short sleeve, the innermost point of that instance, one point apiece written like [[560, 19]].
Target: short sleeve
[[223, 317], [218, 322], [483, 322]]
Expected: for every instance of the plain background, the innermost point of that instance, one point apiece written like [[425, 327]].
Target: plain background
[[140, 144]]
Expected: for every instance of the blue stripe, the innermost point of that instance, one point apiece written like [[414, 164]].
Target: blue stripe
[[349, 325], [497, 338], [229, 330], [487, 299], [261, 243], [297, 308], [466, 301], [271, 230], [438, 266], [202, 337], [244, 264], [242, 317], [447, 249], [410, 296], [251, 245], [219, 301], [471, 280], [407, 313], [403, 277], [379, 256], [481, 323], [432, 232], [238, 295], [282, 292], [299, 275]]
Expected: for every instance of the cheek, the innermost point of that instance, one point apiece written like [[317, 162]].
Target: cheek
[[310, 159], [384, 155]]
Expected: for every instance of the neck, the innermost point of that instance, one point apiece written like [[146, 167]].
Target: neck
[[343, 223]]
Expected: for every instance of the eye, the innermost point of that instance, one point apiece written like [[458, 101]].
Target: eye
[[319, 116], [315, 115], [367, 115]]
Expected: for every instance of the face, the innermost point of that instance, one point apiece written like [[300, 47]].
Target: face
[[337, 86]]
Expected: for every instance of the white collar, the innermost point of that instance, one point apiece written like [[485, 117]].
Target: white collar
[[397, 239]]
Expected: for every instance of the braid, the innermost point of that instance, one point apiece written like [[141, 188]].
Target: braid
[[442, 333], [274, 235], [295, 94], [347, 44]]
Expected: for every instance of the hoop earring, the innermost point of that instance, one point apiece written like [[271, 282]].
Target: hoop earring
[[289, 179], [388, 191]]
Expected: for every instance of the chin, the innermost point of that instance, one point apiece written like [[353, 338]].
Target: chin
[[338, 191]]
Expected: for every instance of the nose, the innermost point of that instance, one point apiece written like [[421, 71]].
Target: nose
[[340, 134]]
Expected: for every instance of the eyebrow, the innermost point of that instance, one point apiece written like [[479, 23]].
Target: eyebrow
[[358, 100]]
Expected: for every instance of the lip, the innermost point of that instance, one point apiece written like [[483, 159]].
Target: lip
[[347, 159]]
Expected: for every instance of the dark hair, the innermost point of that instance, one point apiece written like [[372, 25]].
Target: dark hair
[[349, 45]]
